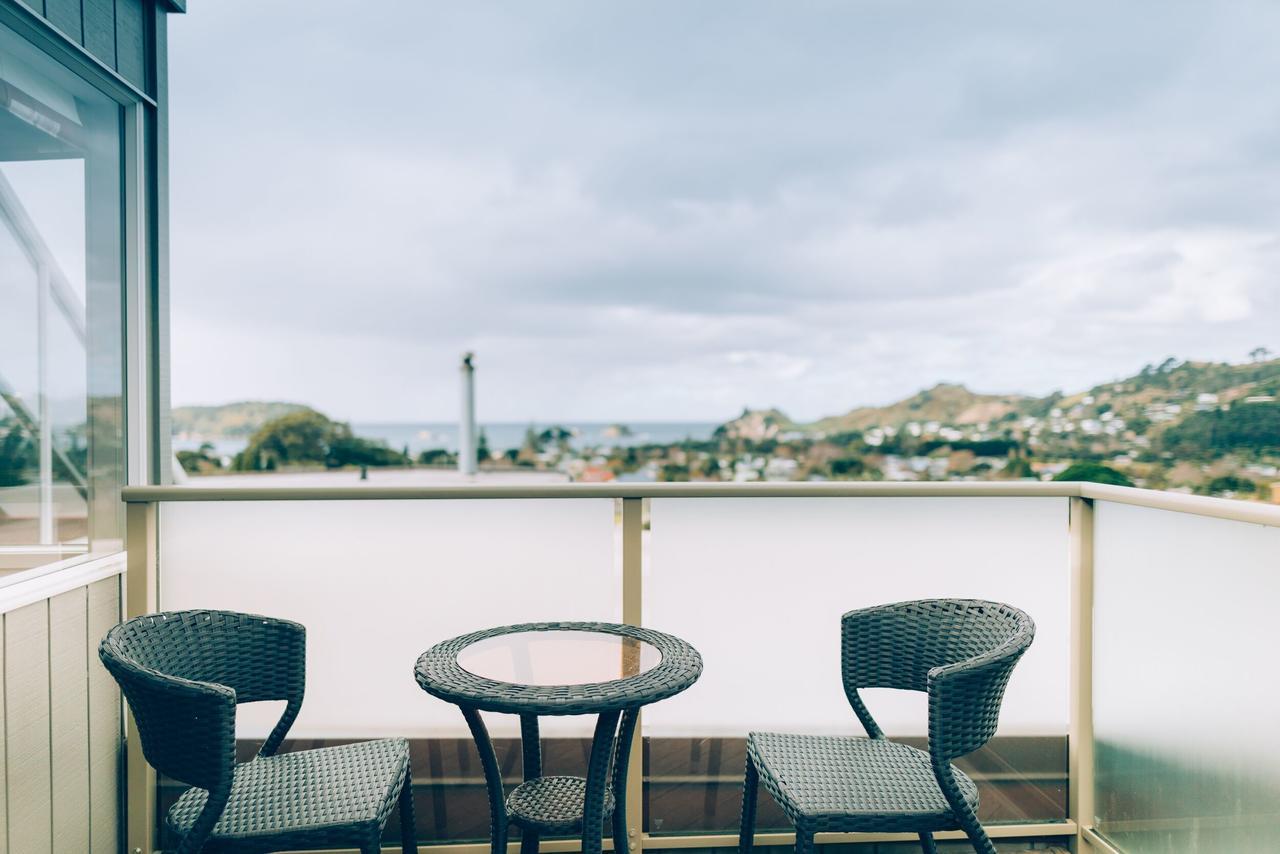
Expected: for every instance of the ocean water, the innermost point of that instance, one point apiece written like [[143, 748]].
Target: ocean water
[[501, 436]]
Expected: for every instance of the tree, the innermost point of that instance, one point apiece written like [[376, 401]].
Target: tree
[[1017, 469], [1094, 473], [437, 457], [555, 435], [482, 447], [18, 455], [309, 438], [297, 438], [1259, 354], [848, 467], [673, 472], [1244, 427], [1230, 483], [199, 462], [532, 445], [348, 450], [189, 460], [1139, 424], [709, 468]]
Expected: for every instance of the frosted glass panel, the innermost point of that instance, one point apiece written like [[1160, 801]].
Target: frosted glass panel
[[1185, 640], [759, 586], [377, 582]]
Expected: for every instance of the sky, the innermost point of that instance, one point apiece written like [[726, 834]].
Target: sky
[[651, 211]]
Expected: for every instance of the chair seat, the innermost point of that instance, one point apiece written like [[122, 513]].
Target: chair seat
[[552, 804], [335, 796], [846, 784]]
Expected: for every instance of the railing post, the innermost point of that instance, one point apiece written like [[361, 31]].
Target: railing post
[[141, 597], [1080, 782], [632, 590]]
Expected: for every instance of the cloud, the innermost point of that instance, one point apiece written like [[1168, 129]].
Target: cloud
[[639, 211]]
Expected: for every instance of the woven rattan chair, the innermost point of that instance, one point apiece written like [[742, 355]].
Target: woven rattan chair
[[961, 652], [183, 673]]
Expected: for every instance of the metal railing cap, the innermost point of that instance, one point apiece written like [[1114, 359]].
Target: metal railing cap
[[807, 489], [1220, 508]]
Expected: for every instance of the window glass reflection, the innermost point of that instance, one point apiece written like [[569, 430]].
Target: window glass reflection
[[61, 378]]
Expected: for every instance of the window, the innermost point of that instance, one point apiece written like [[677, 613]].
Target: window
[[61, 317]]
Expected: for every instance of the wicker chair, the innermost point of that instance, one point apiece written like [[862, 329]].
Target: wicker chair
[[183, 672], [961, 652]]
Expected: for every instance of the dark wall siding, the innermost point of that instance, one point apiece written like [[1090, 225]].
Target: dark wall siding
[[131, 47], [65, 15], [100, 30]]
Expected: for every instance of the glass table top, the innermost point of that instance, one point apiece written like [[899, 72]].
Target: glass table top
[[558, 657]]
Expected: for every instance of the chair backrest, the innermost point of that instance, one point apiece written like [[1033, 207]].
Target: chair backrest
[[961, 651], [183, 672]]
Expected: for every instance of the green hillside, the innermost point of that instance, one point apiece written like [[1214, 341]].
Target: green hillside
[[1249, 427]]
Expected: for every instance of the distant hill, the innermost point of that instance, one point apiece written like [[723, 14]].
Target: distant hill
[[756, 425], [945, 403], [1156, 398], [231, 420]]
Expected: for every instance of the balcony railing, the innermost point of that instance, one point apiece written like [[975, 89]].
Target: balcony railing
[[1139, 720]]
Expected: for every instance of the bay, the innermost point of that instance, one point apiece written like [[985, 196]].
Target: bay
[[501, 436]]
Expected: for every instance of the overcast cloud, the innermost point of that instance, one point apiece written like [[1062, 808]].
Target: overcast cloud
[[666, 211]]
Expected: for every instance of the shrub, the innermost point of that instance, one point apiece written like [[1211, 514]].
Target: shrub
[[1095, 473]]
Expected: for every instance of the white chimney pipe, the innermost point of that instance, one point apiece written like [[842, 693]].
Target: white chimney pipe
[[467, 437]]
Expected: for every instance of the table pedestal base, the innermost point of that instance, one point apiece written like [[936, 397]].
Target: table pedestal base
[[560, 804]]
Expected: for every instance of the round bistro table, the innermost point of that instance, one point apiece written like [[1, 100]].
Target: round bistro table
[[537, 669]]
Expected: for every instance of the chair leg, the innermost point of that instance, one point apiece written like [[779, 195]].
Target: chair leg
[[528, 841], [977, 836], [198, 834], [747, 828], [926, 843], [408, 827], [618, 825], [804, 840]]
